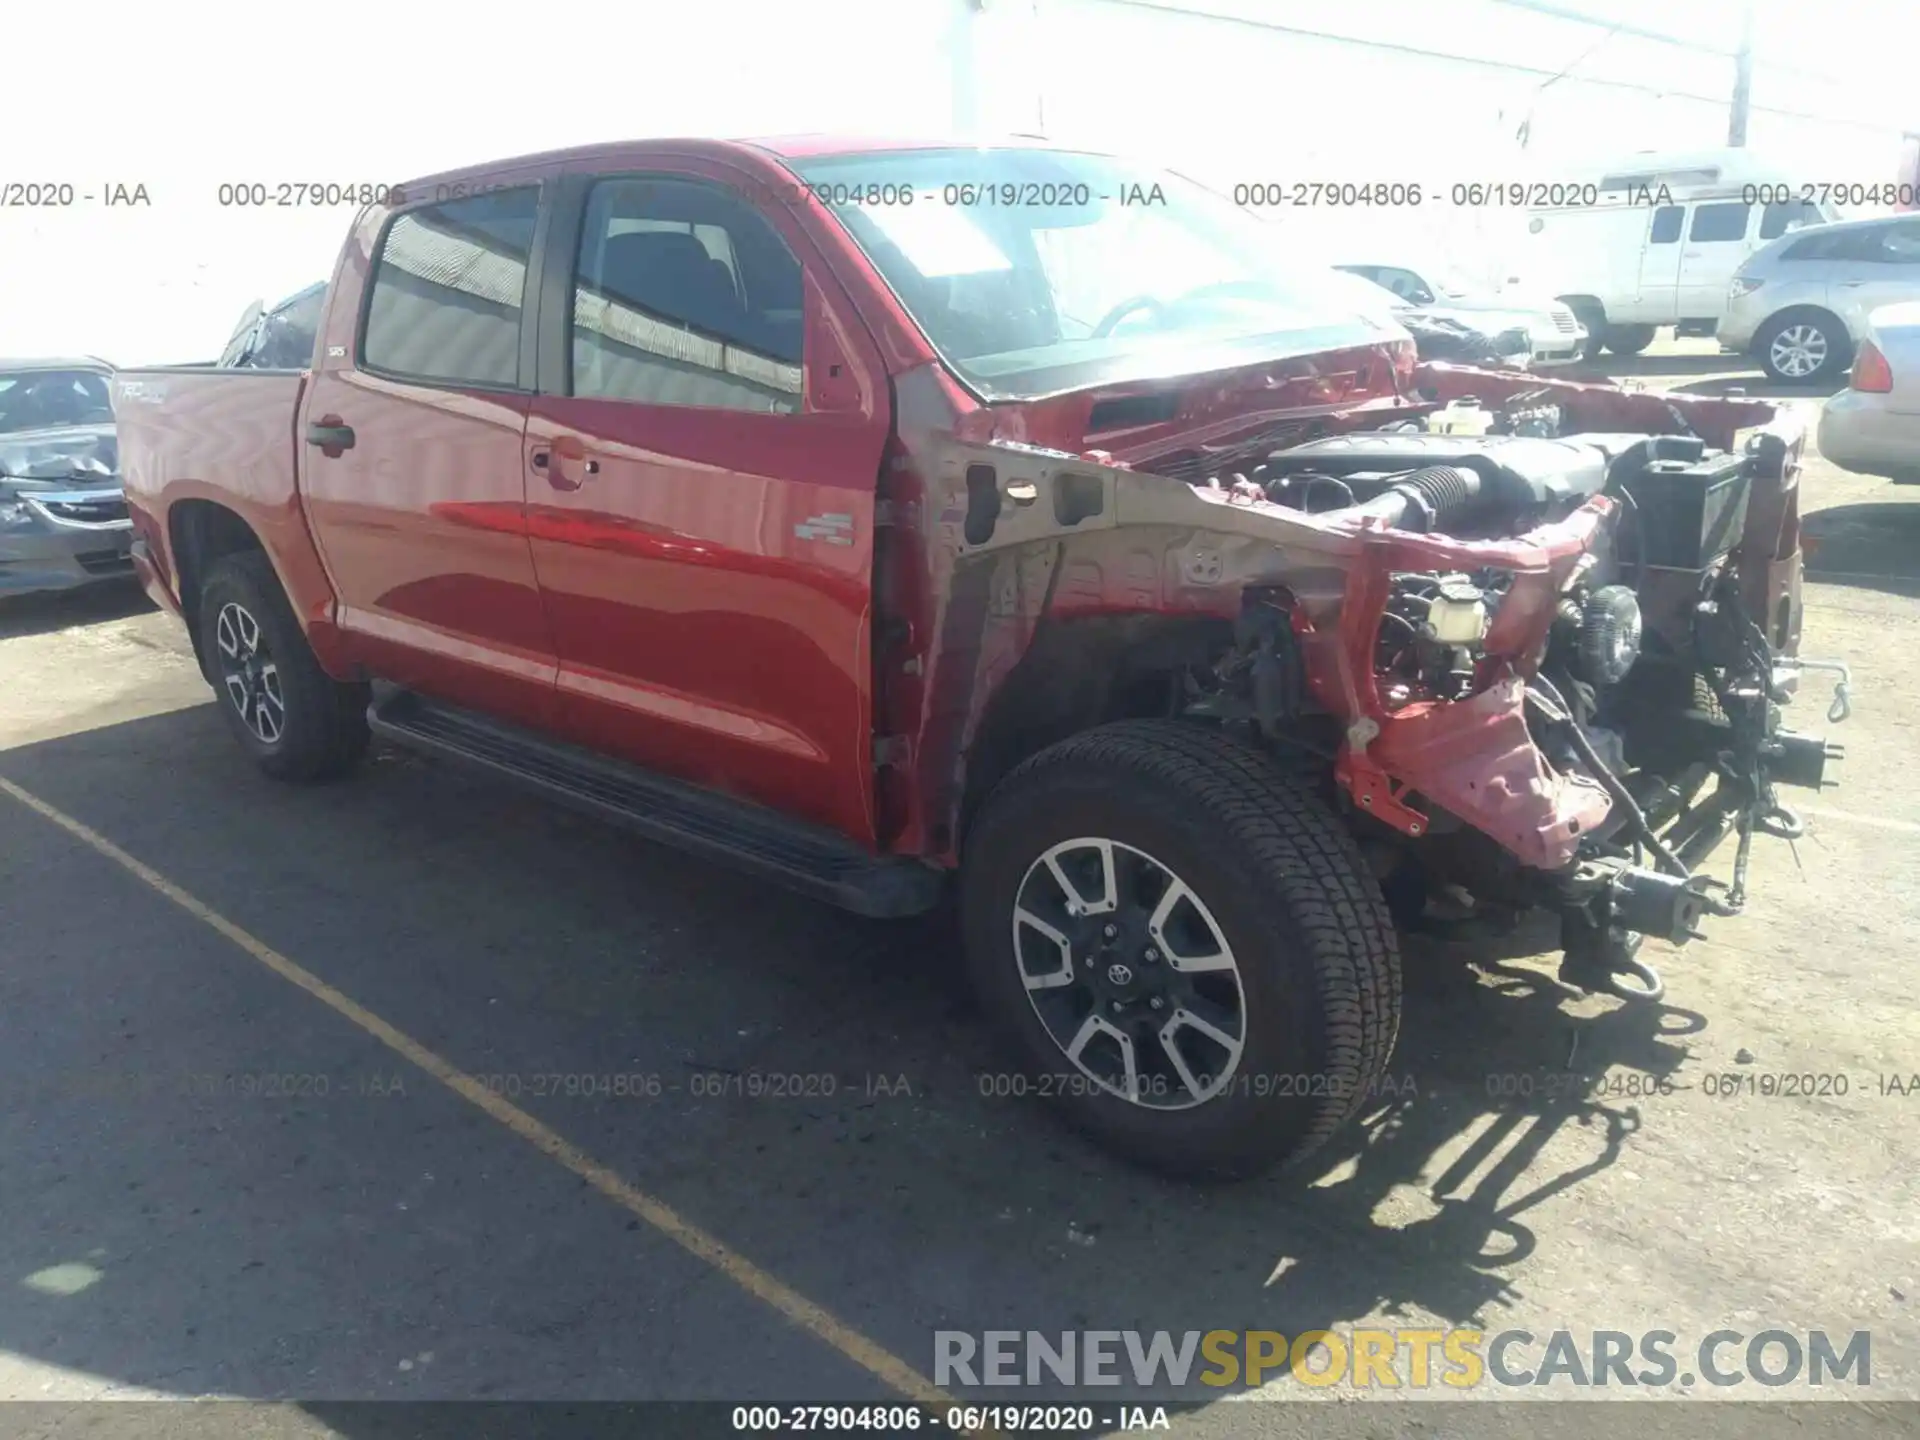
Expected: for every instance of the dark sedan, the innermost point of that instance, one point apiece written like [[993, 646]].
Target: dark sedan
[[63, 519]]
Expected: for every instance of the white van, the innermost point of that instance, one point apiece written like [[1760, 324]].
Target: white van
[[1655, 240]]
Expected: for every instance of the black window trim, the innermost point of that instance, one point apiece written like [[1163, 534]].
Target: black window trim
[[553, 358], [524, 366]]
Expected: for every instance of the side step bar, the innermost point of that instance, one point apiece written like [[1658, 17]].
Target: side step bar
[[799, 856]]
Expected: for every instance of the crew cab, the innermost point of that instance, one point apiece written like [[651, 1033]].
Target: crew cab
[[873, 516]]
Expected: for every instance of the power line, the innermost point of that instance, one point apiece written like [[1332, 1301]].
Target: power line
[[1658, 37], [1511, 67]]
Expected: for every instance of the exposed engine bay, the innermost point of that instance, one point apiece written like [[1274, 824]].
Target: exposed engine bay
[[1533, 638], [1649, 688]]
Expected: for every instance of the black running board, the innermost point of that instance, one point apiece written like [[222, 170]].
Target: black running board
[[807, 858]]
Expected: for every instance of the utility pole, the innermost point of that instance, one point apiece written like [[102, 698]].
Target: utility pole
[[1742, 81]]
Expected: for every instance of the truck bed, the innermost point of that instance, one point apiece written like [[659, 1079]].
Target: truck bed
[[231, 430]]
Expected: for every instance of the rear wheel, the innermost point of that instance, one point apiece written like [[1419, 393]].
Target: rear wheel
[[1804, 347], [1183, 948], [1630, 339], [296, 721]]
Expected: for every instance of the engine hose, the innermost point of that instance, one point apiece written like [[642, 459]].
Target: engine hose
[[1603, 772], [1425, 498]]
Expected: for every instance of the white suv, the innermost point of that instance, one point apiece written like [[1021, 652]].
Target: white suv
[[1800, 305]]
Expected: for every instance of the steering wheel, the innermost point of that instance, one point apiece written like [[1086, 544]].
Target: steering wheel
[[1125, 308], [1224, 289]]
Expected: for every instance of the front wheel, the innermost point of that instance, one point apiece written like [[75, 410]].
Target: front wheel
[[1183, 947], [1593, 320], [296, 721], [1630, 339]]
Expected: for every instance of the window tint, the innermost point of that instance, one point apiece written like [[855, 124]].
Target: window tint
[[1900, 243], [448, 290], [1868, 242], [1777, 220], [1718, 222], [1404, 283], [1824, 245], [1666, 225], [685, 295]]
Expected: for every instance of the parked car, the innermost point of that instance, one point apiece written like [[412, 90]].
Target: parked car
[[1078, 550], [63, 521], [1552, 333], [1800, 305], [1654, 239], [1873, 426], [1436, 336], [281, 338]]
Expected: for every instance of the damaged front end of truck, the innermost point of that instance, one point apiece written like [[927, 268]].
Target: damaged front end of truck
[[1540, 668]]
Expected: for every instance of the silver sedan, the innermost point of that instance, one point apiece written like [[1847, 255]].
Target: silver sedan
[[1873, 426]]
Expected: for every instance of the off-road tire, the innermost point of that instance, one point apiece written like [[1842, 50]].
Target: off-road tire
[[324, 734], [1314, 945]]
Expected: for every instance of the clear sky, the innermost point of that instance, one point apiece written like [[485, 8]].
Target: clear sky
[[182, 99]]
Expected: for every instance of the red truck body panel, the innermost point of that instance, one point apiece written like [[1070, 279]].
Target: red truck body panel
[[704, 590]]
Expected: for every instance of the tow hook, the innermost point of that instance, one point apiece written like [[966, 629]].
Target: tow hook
[[1598, 955], [1842, 706]]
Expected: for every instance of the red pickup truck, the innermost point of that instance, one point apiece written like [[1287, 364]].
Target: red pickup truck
[[868, 514]]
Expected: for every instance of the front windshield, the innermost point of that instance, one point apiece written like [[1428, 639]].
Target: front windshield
[[1453, 281], [1036, 271], [41, 399]]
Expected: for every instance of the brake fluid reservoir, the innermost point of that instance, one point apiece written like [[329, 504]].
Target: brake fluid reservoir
[[1461, 417], [1458, 614]]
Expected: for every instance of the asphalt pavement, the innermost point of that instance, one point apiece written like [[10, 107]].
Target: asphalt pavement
[[411, 1087]]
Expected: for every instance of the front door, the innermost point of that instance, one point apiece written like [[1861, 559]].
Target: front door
[[702, 463]]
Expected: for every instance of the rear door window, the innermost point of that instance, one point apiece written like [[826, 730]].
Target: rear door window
[[1899, 244], [1718, 222], [1776, 220], [449, 289]]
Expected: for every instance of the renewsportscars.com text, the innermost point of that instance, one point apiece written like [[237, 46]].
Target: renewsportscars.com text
[[1402, 1359]]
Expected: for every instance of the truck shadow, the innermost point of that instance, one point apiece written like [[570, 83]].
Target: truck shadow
[[1873, 545], [531, 935], [43, 613]]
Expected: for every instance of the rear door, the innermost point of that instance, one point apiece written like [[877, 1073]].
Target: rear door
[[420, 520], [1716, 243], [702, 461], [1879, 265]]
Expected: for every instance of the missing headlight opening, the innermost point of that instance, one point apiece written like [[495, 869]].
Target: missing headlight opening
[[1558, 637]]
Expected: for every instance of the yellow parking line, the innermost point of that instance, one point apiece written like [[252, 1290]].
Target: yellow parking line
[[814, 1319]]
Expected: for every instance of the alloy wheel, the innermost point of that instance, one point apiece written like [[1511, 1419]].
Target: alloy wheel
[[1130, 974], [248, 673], [1798, 351]]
